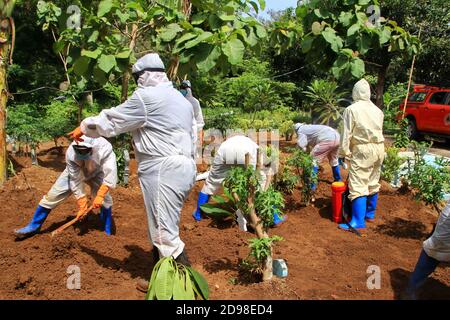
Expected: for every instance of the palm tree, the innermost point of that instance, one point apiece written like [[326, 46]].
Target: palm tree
[[324, 99]]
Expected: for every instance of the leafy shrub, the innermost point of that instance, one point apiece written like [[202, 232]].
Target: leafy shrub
[[260, 250], [60, 117], [302, 165], [285, 181], [401, 137], [392, 98], [265, 204], [431, 182], [391, 164]]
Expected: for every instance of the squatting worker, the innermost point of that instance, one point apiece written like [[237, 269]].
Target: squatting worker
[[362, 142], [230, 154], [186, 90], [161, 121], [436, 249], [91, 161], [324, 142]]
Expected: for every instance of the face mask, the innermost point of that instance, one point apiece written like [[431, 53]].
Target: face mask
[[82, 157], [184, 92]]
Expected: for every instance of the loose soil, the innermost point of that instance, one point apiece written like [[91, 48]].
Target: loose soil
[[323, 262]]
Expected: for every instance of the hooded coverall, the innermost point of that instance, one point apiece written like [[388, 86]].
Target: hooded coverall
[[198, 115], [230, 153], [362, 142], [436, 249], [161, 121], [100, 169], [438, 245], [323, 139]]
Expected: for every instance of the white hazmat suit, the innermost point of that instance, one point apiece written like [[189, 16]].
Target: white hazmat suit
[[438, 245], [324, 141], [362, 142], [161, 121], [230, 154], [100, 169]]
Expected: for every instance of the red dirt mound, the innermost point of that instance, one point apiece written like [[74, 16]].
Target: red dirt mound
[[323, 262]]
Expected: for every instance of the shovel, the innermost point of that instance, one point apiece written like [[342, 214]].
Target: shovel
[[71, 222]]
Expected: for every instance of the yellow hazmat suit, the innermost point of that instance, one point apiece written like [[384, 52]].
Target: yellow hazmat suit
[[362, 142]]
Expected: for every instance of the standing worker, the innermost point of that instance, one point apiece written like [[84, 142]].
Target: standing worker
[[436, 249], [161, 121], [230, 154], [362, 142], [92, 162], [186, 90], [324, 142]]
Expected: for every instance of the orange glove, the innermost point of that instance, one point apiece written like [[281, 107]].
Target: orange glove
[[82, 205], [101, 193], [76, 134]]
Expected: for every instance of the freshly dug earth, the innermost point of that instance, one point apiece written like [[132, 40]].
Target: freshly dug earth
[[323, 262]]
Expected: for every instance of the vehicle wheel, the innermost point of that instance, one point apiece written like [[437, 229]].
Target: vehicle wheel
[[412, 130]]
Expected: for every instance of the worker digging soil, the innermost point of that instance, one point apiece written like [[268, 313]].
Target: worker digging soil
[[91, 161]]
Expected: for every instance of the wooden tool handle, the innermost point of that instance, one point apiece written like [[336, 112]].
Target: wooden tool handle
[[71, 222]]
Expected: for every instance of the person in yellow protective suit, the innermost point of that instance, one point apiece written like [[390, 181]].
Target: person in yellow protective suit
[[362, 142]]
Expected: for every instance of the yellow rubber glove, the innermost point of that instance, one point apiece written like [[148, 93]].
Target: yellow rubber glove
[[76, 134], [100, 197]]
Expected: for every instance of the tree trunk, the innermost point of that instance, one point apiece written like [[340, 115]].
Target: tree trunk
[[380, 85], [4, 60], [126, 74]]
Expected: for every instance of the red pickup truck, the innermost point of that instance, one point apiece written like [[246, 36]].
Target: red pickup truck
[[428, 112]]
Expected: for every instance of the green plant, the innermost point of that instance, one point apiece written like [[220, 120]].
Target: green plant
[[285, 181], [239, 181], [324, 99], [302, 163], [11, 171], [391, 99], [287, 129], [222, 206], [260, 250], [401, 137], [170, 280], [431, 181], [266, 202], [391, 164]]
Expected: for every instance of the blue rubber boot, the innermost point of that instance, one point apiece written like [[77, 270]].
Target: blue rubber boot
[[337, 173], [277, 218], [35, 225], [371, 207], [315, 172], [202, 199], [424, 267], [106, 216], [358, 221]]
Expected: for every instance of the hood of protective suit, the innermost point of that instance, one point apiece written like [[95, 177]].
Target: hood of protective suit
[[152, 79], [151, 60], [152, 69], [361, 91], [297, 126]]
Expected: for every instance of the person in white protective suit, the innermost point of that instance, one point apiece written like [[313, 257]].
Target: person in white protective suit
[[92, 162], [362, 142], [186, 90], [230, 154], [161, 121], [324, 142], [436, 249]]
